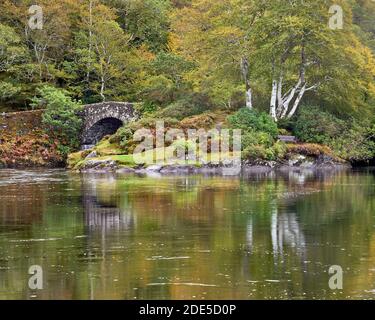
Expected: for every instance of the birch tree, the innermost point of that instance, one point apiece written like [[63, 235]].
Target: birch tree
[[215, 35], [298, 53], [281, 51], [101, 49]]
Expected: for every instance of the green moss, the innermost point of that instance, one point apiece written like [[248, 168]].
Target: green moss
[[79, 164], [107, 148], [74, 159], [121, 160], [124, 160]]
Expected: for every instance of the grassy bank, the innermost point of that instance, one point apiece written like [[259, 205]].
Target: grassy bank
[[260, 145]]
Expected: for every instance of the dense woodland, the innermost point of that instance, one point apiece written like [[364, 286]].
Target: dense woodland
[[275, 67]]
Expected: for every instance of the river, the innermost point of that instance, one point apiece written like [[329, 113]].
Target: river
[[258, 236]]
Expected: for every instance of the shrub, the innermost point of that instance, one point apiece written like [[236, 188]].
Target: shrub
[[202, 121], [314, 125], [284, 132], [184, 145], [179, 110], [286, 125], [256, 152], [279, 150], [150, 123], [146, 107], [124, 136], [183, 108], [247, 119], [356, 144], [252, 138], [310, 150], [258, 145], [60, 116], [348, 139], [8, 90]]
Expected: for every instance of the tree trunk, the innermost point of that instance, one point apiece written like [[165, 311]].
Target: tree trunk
[[290, 98], [102, 88], [90, 45], [302, 83], [245, 74], [297, 102], [279, 108], [249, 98], [273, 100]]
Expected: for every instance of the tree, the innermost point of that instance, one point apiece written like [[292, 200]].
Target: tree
[[363, 17], [60, 116], [12, 54], [215, 35], [49, 44], [164, 82], [101, 52], [146, 20], [109, 41], [303, 53], [12, 51], [44, 49], [277, 43]]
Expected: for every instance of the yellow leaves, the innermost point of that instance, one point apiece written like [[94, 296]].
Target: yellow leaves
[[364, 64], [174, 42], [144, 53], [368, 60], [229, 33], [102, 12], [294, 22], [371, 89]]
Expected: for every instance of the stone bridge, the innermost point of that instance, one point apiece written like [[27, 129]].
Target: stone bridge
[[101, 119]]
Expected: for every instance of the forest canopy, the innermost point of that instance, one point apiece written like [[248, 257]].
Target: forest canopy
[[270, 55], [292, 67]]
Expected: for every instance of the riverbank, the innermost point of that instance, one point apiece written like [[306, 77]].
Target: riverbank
[[298, 157], [215, 170], [24, 143]]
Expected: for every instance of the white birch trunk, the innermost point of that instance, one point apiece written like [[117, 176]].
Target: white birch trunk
[[273, 100], [249, 98], [90, 44], [297, 102], [290, 98], [245, 75], [102, 87], [279, 97]]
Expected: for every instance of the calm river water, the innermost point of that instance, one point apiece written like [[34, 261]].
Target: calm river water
[[260, 236]]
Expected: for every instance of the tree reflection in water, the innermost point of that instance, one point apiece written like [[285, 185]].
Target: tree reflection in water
[[103, 214], [264, 235]]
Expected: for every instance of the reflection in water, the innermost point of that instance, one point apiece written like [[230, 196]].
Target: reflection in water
[[285, 230], [265, 235], [249, 235], [102, 215]]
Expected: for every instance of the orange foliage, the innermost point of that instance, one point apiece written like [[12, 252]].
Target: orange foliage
[[23, 142]]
